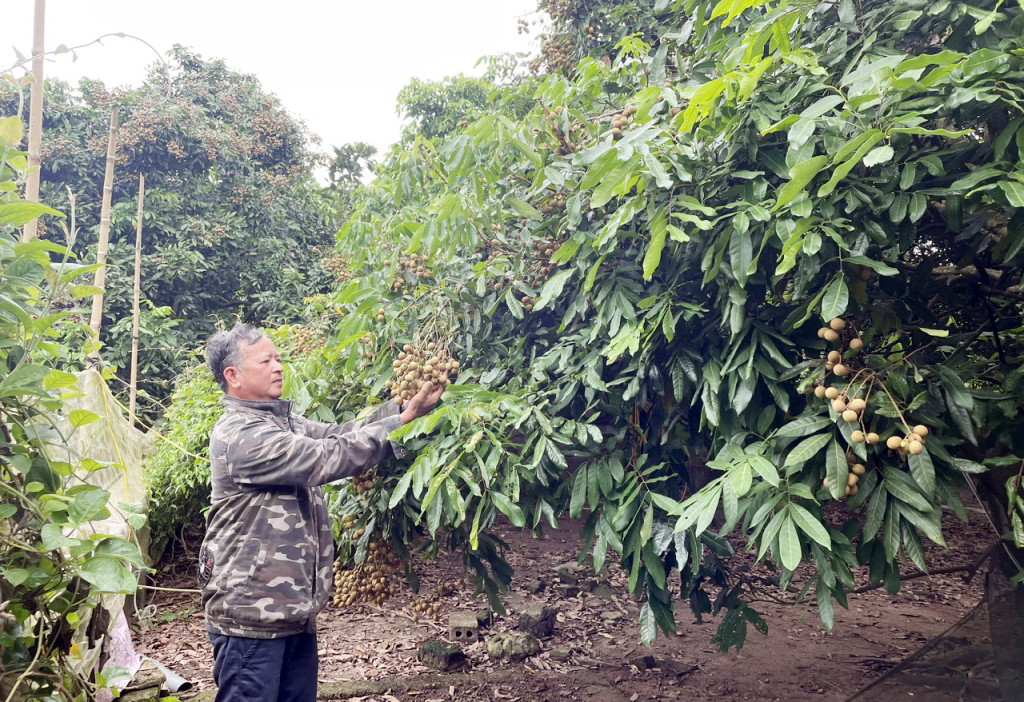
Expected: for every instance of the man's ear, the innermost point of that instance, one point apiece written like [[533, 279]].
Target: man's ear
[[231, 376]]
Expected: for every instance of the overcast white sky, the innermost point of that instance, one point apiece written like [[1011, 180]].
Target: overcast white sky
[[336, 65]]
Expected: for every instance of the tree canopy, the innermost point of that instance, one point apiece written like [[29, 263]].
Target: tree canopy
[[647, 273]]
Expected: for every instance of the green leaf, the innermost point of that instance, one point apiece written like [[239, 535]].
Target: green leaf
[[11, 129], [53, 537], [764, 468], [524, 209], [965, 466], [119, 548], [879, 155], [836, 299], [108, 574], [400, 489], [514, 514], [553, 288], [80, 291], [875, 514], [89, 502], [877, 266], [806, 449], [22, 212], [810, 525], [648, 624], [741, 477], [955, 387], [826, 609], [836, 468], [864, 144], [789, 544], [904, 489], [659, 228], [802, 426], [800, 175], [79, 417], [923, 471]]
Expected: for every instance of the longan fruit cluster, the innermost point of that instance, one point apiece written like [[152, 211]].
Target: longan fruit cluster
[[834, 331], [366, 349], [372, 581], [592, 33], [363, 482], [555, 54], [415, 266], [306, 339], [565, 143], [912, 442], [416, 366], [838, 330], [856, 470], [553, 205], [620, 121], [430, 605], [338, 265], [540, 267]]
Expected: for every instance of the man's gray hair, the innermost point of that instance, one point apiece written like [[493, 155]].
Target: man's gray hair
[[226, 348]]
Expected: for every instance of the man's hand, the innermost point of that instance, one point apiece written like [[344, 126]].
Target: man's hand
[[422, 402]]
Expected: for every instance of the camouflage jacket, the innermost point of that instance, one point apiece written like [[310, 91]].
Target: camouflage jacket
[[265, 566]]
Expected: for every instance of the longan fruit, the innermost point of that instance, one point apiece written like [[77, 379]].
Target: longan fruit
[[921, 430], [851, 479], [853, 490], [857, 404], [838, 324], [850, 416], [856, 343], [858, 469], [821, 332], [915, 447], [831, 393], [866, 273], [838, 405], [894, 442], [831, 335], [819, 391], [872, 437], [857, 436], [825, 482], [835, 356], [841, 370]]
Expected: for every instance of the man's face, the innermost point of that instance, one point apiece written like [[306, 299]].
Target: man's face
[[260, 376]]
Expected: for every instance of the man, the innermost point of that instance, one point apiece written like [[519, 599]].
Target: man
[[265, 565]]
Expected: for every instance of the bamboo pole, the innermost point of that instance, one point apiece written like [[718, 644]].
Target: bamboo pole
[[101, 247], [135, 301], [35, 118]]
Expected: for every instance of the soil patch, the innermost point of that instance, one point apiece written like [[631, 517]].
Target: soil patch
[[594, 654]]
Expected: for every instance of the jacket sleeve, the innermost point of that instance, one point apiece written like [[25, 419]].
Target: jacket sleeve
[[322, 430], [263, 453]]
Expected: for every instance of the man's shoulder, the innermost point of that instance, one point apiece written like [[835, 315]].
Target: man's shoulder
[[230, 424]]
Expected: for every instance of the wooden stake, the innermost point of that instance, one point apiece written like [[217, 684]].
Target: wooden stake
[[35, 118], [101, 247], [135, 302]]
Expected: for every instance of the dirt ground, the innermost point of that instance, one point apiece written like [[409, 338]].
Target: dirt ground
[[797, 661]]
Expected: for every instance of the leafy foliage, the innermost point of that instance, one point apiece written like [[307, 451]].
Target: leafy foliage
[[234, 219], [177, 472], [629, 270], [54, 565]]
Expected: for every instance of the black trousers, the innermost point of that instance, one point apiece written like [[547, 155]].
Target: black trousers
[[265, 670]]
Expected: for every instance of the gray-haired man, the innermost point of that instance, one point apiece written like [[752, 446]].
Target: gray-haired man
[[265, 565]]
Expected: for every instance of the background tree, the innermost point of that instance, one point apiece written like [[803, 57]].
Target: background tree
[[749, 279], [234, 217]]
